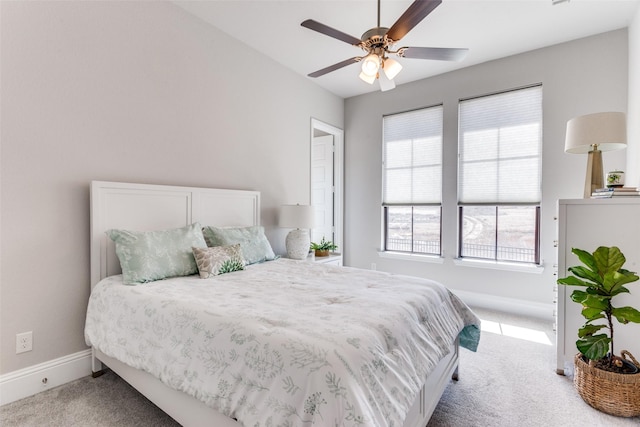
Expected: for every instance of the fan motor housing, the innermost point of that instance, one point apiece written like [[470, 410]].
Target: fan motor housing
[[375, 38]]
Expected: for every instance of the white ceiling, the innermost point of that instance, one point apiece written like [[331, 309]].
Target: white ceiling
[[491, 29]]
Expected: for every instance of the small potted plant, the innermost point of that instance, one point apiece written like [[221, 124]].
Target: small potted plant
[[606, 381], [323, 248]]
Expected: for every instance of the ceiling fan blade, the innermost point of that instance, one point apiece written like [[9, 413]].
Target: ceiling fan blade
[[418, 10], [435, 53], [334, 67], [331, 32]]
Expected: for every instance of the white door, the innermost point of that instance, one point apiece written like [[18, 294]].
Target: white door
[[322, 187]]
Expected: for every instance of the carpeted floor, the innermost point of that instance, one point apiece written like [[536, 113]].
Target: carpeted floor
[[510, 382]]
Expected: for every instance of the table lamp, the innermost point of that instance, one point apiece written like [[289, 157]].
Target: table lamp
[[593, 134], [298, 241]]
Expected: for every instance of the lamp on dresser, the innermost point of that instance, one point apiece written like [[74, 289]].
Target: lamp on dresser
[[593, 134], [298, 241]]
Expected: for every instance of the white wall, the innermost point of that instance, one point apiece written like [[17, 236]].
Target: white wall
[[633, 116], [579, 77], [127, 91]]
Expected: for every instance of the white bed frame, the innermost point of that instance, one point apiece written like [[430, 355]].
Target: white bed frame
[[144, 207]]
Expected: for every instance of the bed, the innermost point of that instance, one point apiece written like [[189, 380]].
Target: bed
[[280, 342]]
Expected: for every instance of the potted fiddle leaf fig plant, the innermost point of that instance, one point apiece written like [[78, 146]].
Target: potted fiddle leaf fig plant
[[607, 381], [324, 247]]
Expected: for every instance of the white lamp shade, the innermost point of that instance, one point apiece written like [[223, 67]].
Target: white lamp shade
[[386, 83], [391, 68], [367, 78], [371, 64], [296, 216], [606, 130]]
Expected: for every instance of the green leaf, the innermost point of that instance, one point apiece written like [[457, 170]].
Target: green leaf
[[594, 346], [572, 281], [621, 278], [619, 290], [579, 296], [586, 258], [626, 314], [598, 302], [587, 330], [585, 273], [624, 271], [608, 260], [592, 313]]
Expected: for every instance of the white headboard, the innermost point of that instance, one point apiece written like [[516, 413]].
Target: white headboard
[[144, 207]]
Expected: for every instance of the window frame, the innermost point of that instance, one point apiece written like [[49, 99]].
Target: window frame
[[497, 204], [536, 248], [385, 210], [386, 206]]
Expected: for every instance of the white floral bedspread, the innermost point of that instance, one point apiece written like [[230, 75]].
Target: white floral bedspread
[[285, 343]]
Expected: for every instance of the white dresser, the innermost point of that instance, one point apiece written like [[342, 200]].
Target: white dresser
[[587, 224]]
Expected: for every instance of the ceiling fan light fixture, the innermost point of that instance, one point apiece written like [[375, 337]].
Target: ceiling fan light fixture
[[371, 65], [391, 68], [385, 83], [377, 42], [367, 78]]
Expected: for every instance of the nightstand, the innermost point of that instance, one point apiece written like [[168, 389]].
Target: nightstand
[[333, 259]]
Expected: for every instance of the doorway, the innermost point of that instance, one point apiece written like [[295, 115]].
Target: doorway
[[327, 164]]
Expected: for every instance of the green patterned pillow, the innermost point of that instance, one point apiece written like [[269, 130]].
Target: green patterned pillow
[[254, 244], [154, 255], [218, 260]]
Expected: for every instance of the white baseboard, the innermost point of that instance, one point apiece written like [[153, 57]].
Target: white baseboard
[[508, 305], [29, 381]]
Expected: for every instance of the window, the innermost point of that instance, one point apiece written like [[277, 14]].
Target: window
[[499, 176], [412, 180]]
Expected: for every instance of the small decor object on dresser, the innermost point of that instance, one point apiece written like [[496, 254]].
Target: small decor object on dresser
[[609, 192], [606, 381], [615, 179], [323, 248]]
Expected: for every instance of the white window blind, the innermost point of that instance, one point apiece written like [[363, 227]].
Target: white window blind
[[500, 148], [412, 157]]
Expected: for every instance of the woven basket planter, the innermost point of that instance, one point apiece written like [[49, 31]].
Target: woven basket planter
[[609, 392]]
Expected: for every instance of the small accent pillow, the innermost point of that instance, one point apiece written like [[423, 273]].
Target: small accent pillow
[[254, 244], [154, 255], [218, 260]]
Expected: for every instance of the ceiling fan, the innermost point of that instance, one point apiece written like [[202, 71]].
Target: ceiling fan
[[378, 42]]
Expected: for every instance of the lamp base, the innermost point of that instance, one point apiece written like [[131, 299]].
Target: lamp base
[[595, 173], [297, 243]]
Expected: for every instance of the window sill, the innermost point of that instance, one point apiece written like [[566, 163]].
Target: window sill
[[496, 265], [435, 259]]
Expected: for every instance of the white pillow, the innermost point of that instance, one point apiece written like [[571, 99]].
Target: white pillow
[[154, 255], [253, 242], [218, 260]]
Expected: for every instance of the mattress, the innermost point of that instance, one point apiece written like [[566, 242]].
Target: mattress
[[285, 342]]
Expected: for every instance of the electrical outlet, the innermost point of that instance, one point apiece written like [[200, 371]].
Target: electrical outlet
[[24, 342]]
